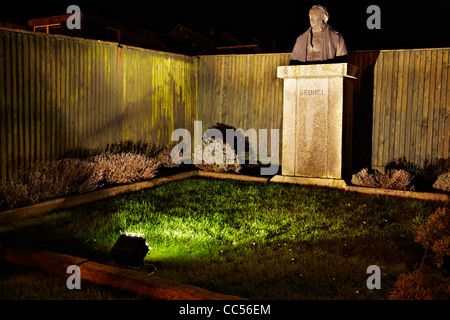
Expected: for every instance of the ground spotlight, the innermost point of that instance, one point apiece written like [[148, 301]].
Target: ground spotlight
[[129, 250]]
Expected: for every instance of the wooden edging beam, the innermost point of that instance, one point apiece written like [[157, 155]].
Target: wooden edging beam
[[413, 195], [139, 282]]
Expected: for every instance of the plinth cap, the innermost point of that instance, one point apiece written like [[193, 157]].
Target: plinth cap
[[318, 71]]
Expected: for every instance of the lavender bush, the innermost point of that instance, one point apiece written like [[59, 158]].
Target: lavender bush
[[390, 179], [125, 167], [216, 156]]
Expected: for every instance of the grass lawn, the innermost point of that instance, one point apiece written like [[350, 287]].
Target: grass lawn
[[255, 240], [18, 283]]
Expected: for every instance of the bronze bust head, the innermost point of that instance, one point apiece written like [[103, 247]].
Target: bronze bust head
[[320, 43]]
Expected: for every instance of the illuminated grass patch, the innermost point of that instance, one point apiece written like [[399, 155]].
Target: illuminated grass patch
[[259, 241]]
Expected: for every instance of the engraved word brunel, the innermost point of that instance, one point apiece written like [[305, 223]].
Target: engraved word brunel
[[317, 92]]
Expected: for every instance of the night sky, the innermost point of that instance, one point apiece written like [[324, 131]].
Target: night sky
[[404, 24]]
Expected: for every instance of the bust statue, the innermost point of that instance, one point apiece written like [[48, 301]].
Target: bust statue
[[320, 43]]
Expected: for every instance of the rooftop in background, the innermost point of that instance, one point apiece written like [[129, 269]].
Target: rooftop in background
[[94, 27], [12, 25], [187, 41]]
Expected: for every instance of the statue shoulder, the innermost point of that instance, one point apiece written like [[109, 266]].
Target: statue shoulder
[[334, 32], [304, 35]]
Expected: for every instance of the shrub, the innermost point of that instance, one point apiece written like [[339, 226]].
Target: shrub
[[79, 175], [14, 194], [431, 170], [61, 178], [125, 167], [435, 234], [425, 175], [226, 160], [427, 283], [404, 164], [165, 158], [421, 285], [390, 179], [443, 182], [364, 179], [239, 136], [48, 180]]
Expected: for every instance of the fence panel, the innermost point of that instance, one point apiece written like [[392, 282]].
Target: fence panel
[[242, 91], [411, 108], [59, 93]]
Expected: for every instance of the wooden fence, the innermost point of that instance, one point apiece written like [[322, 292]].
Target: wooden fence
[[401, 102], [244, 91], [241, 90], [411, 106], [58, 93]]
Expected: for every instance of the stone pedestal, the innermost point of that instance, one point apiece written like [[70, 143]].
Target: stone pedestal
[[317, 123]]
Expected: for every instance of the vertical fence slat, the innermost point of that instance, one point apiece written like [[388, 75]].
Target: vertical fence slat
[[3, 111]]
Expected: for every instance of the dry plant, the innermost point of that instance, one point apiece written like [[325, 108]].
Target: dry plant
[[67, 176], [421, 285], [166, 159], [435, 234], [61, 178], [390, 179], [50, 179], [125, 167], [14, 194], [428, 283], [425, 175], [225, 154], [443, 182]]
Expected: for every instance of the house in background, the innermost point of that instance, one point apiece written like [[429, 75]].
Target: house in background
[[190, 42], [187, 41], [12, 25]]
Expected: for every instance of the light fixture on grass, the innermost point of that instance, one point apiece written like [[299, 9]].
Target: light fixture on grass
[[129, 250]]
